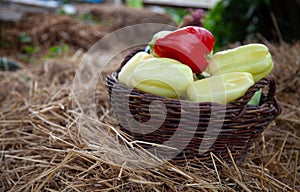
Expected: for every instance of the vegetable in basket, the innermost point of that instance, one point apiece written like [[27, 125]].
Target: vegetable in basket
[[253, 58], [160, 76], [159, 34], [125, 75], [221, 89], [190, 45]]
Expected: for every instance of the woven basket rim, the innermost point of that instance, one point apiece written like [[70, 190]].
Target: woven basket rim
[[249, 93]]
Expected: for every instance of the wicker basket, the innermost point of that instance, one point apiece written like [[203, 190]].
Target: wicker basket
[[241, 123]]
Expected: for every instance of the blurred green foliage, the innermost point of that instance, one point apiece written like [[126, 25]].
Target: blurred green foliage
[[234, 20], [239, 21], [134, 3], [89, 18], [177, 14], [24, 38], [57, 51], [28, 49]]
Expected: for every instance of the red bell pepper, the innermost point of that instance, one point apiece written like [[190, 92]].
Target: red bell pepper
[[189, 45]]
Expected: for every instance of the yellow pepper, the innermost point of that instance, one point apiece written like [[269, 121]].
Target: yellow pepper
[[160, 76], [253, 58], [221, 89], [127, 70]]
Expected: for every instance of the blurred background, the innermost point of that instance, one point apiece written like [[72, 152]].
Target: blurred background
[[33, 29]]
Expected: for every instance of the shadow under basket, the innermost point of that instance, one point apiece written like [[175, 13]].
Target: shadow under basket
[[196, 129]]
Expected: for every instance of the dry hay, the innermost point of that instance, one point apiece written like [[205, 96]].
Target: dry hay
[[116, 17], [48, 31], [77, 31], [42, 150]]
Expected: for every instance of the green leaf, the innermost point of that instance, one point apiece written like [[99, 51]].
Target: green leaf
[[256, 98], [134, 3], [30, 49], [57, 51]]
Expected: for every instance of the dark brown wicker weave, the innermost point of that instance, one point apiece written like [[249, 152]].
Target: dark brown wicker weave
[[241, 124]]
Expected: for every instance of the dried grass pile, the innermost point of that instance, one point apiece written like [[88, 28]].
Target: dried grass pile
[[80, 31], [41, 148], [45, 31], [116, 17]]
